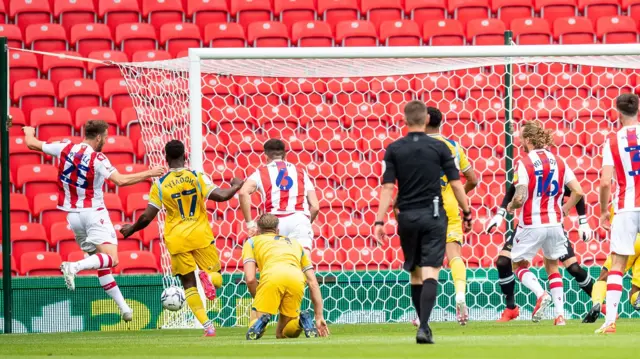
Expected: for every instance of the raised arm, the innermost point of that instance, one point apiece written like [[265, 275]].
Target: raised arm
[[225, 194], [30, 139], [134, 178]]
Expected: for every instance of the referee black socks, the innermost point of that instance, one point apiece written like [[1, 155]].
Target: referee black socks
[[416, 292], [427, 301]]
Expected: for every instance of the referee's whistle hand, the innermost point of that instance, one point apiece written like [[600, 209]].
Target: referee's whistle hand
[[380, 235]]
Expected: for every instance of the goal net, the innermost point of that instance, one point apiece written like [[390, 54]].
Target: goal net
[[338, 108]]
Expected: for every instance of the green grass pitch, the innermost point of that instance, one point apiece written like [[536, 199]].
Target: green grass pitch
[[479, 340]]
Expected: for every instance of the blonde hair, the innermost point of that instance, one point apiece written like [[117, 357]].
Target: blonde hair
[[533, 132], [268, 223]]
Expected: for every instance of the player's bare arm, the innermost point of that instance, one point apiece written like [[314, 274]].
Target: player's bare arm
[[605, 193], [250, 278], [143, 221], [463, 202], [244, 196], [471, 180], [386, 195], [316, 299], [518, 199], [576, 194], [30, 139], [314, 205], [120, 179], [225, 194]]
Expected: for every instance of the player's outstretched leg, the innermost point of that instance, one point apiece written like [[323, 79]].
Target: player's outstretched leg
[[92, 262], [585, 282], [210, 283], [110, 286], [258, 326], [195, 303], [556, 289], [507, 283], [530, 281]]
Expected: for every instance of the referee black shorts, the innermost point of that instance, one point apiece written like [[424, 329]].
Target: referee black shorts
[[422, 237]]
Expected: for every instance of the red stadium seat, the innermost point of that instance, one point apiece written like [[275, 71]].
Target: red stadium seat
[[356, 33], [259, 91], [574, 30], [78, 255], [119, 149], [179, 37], [529, 86], [311, 34], [40, 264], [159, 12], [88, 38], [78, 93], [63, 239], [203, 12], [373, 258], [568, 86], [58, 69], [617, 30], [531, 31], [436, 87], [551, 10], [151, 55], [102, 72], [327, 259], [480, 86], [424, 10], [51, 122], [117, 12], [27, 237], [136, 262], [70, 13], [114, 206], [23, 66], [132, 243], [400, 33], [359, 174], [84, 114], [30, 94], [609, 85], [20, 210], [485, 32], [45, 209], [321, 116], [339, 148], [290, 12], [267, 34], [466, 10], [21, 155], [125, 192], [45, 37], [13, 34], [14, 267], [632, 8], [116, 95], [345, 91], [18, 121], [151, 238], [249, 11], [224, 35], [277, 121], [136, 204], [322, 175], [509, 10], [443, 33], [595, 9], [366, 119], [4, 12], [231, 259], [336, 11], [135, 37], [378, 11], [305, 91], [28, 12]]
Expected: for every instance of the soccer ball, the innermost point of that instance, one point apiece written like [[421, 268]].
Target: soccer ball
[[172, 298]]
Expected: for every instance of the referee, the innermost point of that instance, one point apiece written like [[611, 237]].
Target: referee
[[417, 162]]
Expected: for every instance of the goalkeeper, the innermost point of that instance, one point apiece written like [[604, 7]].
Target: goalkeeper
[[505, 270], [283, 267]]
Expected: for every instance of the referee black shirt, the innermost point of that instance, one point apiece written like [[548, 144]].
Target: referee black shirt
[[417, 162]]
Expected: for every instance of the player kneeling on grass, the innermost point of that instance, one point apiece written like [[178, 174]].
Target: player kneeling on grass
[[282, 262], [187, 232]]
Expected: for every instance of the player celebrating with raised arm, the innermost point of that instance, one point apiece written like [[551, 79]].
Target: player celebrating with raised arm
[[289, 195], [539, 180], [507, 280], [283, 267], [82, 171], [187, 233], [620, 155]]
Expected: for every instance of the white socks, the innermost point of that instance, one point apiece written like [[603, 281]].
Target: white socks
[[95, 261], [109, 285], [557, 293], [530, 281], [614, 292]]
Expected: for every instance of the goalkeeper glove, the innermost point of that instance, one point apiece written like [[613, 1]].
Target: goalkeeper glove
[[584, 230], [496, 221]]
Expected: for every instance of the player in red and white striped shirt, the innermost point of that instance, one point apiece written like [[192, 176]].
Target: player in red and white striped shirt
[[539, 180], [82, 170], [287, 192], [621, 155]]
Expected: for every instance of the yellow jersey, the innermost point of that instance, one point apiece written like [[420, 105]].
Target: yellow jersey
[[462, 163], [274, 253], [183, 193]]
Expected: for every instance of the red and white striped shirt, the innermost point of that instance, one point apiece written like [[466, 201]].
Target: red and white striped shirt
[[284, 187], [545, 176], [82, 172], [622, 151]]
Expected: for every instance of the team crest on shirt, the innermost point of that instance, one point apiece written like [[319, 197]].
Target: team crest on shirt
[[102, 221]]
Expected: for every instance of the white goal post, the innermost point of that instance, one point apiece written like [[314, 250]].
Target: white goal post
[[340, 106]]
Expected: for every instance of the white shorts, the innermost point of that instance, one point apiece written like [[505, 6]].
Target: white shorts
[[528, 241], [297, 226], [624, 229], [92, 228]]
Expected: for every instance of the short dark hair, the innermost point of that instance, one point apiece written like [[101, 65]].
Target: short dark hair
[[435, 117], [95, 128], [174, 150], [627, 104], [415, 113], [268, 222], [274, 148]]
